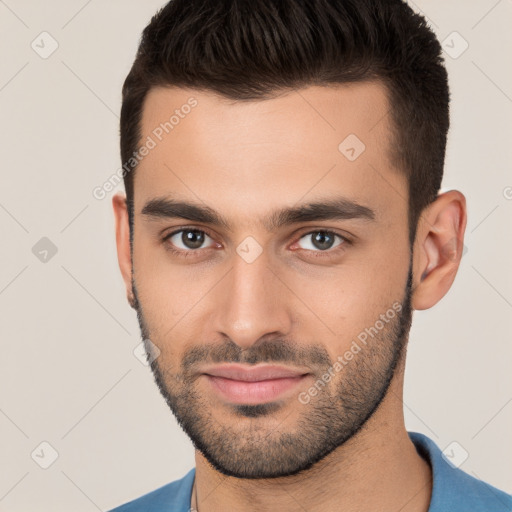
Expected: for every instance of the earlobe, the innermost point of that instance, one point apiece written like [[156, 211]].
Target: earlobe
[[438, 248], [122, 228]]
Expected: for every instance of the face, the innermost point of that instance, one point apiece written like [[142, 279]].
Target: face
[[271, 269]]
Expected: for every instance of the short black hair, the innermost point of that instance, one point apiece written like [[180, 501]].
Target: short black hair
[[249, 50]]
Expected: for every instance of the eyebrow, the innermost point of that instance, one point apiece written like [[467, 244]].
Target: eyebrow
[[339, 208]]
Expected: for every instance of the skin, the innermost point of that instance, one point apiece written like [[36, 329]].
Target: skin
[[244, 160]]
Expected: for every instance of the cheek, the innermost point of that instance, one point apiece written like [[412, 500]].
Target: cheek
[[172, 299], [341, 307], [165, 322]]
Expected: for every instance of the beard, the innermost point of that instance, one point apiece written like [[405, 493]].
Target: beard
[[247, 446]]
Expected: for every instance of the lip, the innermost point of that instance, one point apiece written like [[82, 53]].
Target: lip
[[253, 373], [253, 385]]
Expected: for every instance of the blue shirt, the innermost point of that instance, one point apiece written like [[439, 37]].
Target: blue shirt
[[453, 490]]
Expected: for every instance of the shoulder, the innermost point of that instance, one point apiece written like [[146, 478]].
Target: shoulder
[[455, 490], [174, 496]]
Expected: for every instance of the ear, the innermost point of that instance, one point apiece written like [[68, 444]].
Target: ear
[[438, 248], [123, 243]]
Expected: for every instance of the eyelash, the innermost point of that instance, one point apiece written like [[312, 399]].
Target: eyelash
[[316, 254]]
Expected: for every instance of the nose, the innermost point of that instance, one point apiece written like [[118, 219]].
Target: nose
[[251, 302]]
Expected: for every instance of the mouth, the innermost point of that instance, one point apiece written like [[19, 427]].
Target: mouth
[[254, 385]]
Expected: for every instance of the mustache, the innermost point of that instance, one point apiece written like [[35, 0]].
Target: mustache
[[266, 351]]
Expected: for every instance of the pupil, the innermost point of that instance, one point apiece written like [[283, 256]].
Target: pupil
[[320, 238], [193, 239]]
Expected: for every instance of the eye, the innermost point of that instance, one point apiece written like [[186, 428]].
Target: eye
[[188, 242], [187, 239], [322, 241]]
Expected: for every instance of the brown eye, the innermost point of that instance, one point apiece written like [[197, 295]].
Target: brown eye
[[321, 240], [187, 239]]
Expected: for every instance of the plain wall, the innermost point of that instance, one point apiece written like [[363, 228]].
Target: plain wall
[[68, 375]]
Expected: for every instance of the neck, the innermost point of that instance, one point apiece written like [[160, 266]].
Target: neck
[[377, 469]]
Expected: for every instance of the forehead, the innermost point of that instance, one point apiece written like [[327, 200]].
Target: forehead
[[250, 157]]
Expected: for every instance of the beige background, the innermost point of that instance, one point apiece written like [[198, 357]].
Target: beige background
[[68, 375]]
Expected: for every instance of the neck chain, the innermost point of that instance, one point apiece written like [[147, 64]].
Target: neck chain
[[193, 506]]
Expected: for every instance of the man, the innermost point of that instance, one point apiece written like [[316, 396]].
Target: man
[[282, 220]]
